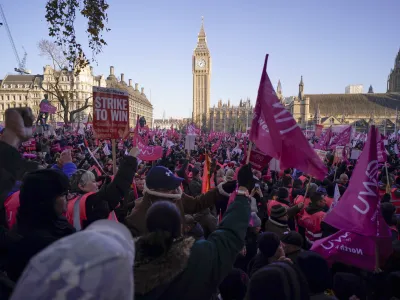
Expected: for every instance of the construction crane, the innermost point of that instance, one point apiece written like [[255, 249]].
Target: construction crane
[[21, 64]]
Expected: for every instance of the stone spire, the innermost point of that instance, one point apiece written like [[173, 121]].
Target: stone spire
[[201, 37], [301, 89], [371, 89]]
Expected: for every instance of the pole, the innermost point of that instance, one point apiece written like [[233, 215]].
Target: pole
[[114, 157], [248, 153]]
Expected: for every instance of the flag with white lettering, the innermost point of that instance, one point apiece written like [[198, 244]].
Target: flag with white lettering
[[348, 248], [359, 207], [276, 133]]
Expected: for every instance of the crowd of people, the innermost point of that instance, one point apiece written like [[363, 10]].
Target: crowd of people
[[72, 229]]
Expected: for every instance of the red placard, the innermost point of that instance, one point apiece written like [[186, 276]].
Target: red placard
[[258, 159], [110, 113]]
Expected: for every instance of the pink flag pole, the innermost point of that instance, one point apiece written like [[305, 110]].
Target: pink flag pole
[[248, 153]]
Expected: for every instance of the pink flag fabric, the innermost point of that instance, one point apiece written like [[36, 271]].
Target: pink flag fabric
[[149, 153], [358, 209], [215, 147], [342, 138], [324, 140], [348, 248], [276, 133], [47, 107]]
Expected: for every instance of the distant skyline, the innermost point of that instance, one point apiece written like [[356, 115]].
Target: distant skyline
[[331, 44]]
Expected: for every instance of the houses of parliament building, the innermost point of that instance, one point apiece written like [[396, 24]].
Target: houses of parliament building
[[359, 110]]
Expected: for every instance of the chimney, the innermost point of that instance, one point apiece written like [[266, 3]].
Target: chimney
[[130, 82], [122, 77], [142, 90], [136, 86]]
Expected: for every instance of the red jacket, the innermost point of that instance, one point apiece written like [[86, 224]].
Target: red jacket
[[312, 225]]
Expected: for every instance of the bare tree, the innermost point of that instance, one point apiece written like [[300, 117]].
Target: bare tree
[[54, 87]]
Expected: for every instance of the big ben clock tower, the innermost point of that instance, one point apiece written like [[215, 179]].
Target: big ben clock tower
[[201, 69]]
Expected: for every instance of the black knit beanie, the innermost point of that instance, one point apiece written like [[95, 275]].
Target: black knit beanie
[[316, 271], [39, 191], [268, 243]]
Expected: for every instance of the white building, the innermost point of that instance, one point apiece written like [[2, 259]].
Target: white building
[[354, 89]]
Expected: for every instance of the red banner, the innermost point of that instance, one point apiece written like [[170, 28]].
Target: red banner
[[259, 160], [110, 113]]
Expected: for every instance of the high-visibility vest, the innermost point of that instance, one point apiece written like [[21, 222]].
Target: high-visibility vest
[[76, 211], [300, 199], [312, 225], [272, 203], [11, 205]]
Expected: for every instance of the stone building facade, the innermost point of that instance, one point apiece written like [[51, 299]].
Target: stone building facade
[[394, 76], [359, 110], [20, 91], [139, 105], [29, 90], [229, 118]]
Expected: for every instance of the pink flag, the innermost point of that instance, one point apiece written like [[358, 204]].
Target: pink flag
[[324, 140], [348, 248], [47, 107], [358, 210], [149, 153], [215, 147], [276, 133], [342, 138]]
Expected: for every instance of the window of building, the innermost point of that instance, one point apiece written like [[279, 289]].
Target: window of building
[[8, 105]]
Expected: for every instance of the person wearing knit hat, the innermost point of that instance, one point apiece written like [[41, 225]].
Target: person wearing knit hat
[[162, 184], [278, 221], [317, 273], [292, 244], [283, 199], [278, 281], [255, 221], [96, 263], [168, 266], [39, 219], [270, 250]]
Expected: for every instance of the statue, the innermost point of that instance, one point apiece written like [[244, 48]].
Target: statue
[[43, 115]]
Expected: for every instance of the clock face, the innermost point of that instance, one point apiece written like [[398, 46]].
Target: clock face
[[201, 63]]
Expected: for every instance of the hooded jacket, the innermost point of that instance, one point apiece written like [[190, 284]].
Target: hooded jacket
[[193, 270]]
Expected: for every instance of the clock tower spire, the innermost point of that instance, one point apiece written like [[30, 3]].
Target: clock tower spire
[[201, 70]]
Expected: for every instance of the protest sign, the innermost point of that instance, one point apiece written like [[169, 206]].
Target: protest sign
[[258, 159], [110, 113]]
